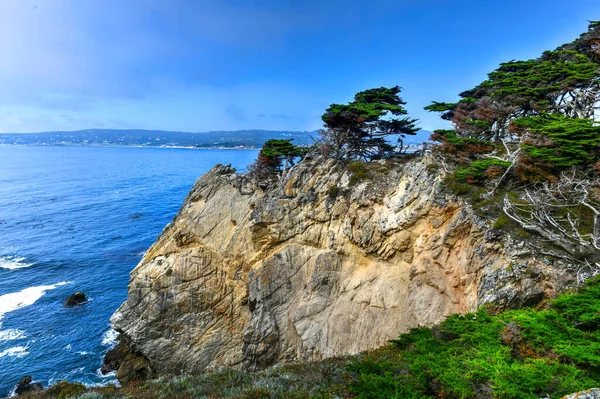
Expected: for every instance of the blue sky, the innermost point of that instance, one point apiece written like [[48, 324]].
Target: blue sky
[[202, 65]]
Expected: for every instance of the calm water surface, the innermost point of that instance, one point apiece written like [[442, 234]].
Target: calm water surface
[[79, 219]]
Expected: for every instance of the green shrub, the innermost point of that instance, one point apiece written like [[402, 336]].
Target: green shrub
[[518, 354], [65, 390], [333, 192], [359, 172], [502, 222], [478, 170], [433, 167]]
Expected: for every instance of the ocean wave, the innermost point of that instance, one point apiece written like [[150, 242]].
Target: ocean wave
[[11, 334], [112, 375], [17, 351], [28, 296], [109, 338], [14, 262]]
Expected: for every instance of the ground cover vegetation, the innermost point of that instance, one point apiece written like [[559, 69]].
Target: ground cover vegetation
[[525, 353]]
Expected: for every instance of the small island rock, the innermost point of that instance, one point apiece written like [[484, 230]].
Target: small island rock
[[76, 299]]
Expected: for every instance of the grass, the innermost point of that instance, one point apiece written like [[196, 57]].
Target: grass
[[517, 354]]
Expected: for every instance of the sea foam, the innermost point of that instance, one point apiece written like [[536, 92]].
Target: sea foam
[[109, 338], [17, 351], [11, 334], [14, 262], [28, 296]]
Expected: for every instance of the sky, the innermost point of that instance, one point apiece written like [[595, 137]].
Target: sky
[[202, 65]]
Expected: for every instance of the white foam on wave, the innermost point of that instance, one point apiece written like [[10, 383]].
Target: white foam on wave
[[17, 351], [109, 338], [111, 376], [28, 296], [11, 334], [14, 262]]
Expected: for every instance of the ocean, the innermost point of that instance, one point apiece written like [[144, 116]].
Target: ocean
[[79, 219]]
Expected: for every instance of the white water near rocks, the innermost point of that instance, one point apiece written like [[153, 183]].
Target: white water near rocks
[[28, 296]]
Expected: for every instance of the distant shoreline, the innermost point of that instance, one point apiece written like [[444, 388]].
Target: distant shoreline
[[129, 146]]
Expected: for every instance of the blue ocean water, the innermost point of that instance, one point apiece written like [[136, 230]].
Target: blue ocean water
[[79, 219]]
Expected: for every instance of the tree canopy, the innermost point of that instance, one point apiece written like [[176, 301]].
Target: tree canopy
[[544, 106], [275, 154], [359, 129]]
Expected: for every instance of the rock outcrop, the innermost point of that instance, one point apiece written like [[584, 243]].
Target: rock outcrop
[[75, 299], [315, 268], [26, 385], [593, 393]]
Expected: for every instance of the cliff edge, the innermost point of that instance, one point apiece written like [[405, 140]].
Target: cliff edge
[[321, 265]]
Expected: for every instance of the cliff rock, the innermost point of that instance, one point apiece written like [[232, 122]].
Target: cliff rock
[[317, 267]]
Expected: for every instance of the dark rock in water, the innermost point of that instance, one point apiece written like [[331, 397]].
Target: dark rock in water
[[76, 299], [25, 386], [130, 366], [114, 358]]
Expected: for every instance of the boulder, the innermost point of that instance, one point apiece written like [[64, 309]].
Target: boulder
[[25, 386], [114, 358], [593, 393], [76, 299], [130, 365]]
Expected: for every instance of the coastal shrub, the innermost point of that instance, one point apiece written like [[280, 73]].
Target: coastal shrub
[[333, 192], [517, 354], [359, 172], [433, 167], [65, 390], [502, 222]]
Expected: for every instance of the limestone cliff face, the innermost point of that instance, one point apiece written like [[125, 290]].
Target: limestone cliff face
[[314, 268]]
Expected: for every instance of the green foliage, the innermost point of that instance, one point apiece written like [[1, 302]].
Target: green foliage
[[517, 354], [537, 84], [554, 142], [65, 390], [272, 156], [280, 148], [478, 170], [333, 192], [502, 222], [545, 106], [359, 172], [359, 129]]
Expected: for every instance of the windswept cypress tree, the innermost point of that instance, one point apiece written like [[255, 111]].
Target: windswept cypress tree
[[359, 129], [531, 131], [532, 107]]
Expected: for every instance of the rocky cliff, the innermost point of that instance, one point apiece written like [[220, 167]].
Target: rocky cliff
[[317, 267]]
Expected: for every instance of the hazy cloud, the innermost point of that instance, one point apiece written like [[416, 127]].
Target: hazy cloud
[[209, 65]]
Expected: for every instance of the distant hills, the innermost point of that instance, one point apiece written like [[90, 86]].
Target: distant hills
[[160, 138]]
